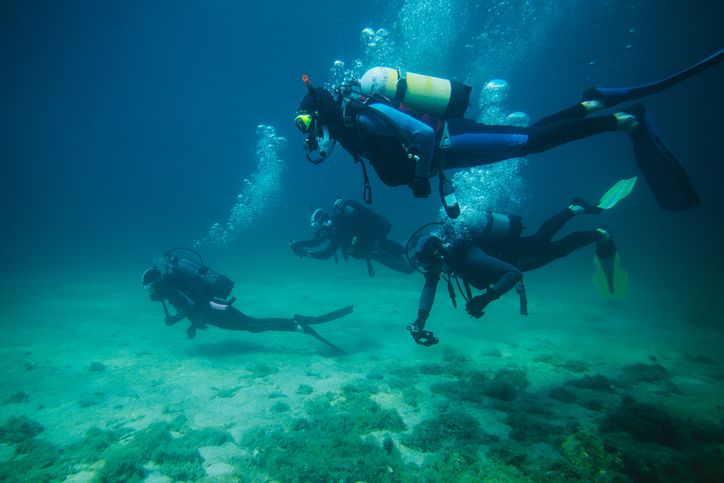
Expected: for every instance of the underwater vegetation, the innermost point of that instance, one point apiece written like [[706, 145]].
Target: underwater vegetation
[[467, 422], [332, 443], [174, 455], [348, 437]]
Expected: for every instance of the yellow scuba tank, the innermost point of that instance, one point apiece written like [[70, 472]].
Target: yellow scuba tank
[[437, 97]]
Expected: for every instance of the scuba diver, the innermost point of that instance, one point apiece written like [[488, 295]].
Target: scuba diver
[[358, 232], [411, 127], [200, 294], [495, 259]]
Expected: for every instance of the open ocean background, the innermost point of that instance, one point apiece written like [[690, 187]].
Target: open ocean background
[[129, 127]]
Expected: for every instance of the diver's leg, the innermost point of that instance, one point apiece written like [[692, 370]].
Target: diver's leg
[[542, 254], [553, 225], [580, 110], [392, 262], [386, 255], [233, 319], [475, 144], [543, 138]]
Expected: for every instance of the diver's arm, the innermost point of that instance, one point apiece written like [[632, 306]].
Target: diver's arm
[[335, 240], [507, 275], [314, 242], [427, 296], [422, 135]]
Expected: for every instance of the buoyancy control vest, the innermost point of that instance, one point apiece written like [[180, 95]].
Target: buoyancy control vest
[[365, 223], [389, 156]]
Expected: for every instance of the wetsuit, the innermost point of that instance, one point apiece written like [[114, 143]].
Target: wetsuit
[[487, 265], [359, 233], [200, 311], [191, 304], [457, 143]]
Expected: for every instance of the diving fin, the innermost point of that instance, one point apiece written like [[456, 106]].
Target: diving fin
[[305, 322], [610, 279], [612, 96], [664, 174], [617, 192], [321, 319]]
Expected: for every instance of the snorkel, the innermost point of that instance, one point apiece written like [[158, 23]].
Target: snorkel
[[322, 141]]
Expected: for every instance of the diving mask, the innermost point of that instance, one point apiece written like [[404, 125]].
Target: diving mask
[[305, 122]]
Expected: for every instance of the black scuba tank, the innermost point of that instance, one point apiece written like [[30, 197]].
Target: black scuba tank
[[208, 282]]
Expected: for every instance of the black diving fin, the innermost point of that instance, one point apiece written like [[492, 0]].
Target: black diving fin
[[611, 96], [324, 318], [305, 322], [666, 177]]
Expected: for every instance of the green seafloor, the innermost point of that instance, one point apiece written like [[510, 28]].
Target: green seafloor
[[97, 389]]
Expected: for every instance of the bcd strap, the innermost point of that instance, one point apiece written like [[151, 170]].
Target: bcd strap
[[367, 192], [450, 290], [401, 85]]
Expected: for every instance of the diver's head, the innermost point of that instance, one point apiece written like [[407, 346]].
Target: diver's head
[[149, 278], [321, 220], [312, 113], [317, 116], [429, 251]]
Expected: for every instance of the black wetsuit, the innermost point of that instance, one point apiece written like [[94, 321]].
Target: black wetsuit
[[359, 233], [200, 311], [376, 132], [192, 304], [487, 264]]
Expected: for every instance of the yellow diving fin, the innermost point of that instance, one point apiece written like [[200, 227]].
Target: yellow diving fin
[[618, 192], [610, 279]]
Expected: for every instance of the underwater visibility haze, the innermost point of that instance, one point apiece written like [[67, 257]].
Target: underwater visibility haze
[[128, 129]]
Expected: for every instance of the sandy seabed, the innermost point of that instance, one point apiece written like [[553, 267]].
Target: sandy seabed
[[96, 388]]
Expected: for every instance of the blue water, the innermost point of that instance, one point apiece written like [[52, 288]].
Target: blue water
[[132, 127], [128, 128]]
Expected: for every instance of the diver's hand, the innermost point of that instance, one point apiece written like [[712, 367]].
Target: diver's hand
[[425, 337], [477, 304], [422, 337], [421, 187], [298, 251]]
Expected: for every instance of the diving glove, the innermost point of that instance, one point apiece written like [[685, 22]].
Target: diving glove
[[422, 337], [421, 187], [298, 251], [477, 304]]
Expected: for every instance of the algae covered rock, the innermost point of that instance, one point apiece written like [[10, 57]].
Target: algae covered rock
[[452, 429]]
